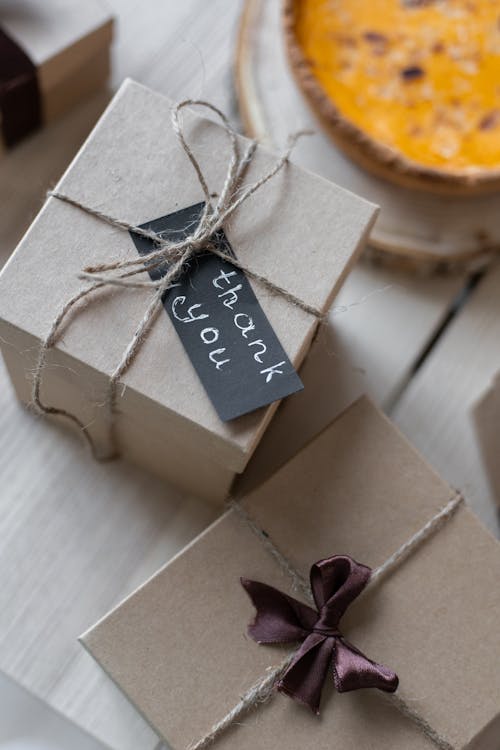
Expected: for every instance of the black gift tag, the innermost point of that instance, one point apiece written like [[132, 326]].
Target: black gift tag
[[224, 330]]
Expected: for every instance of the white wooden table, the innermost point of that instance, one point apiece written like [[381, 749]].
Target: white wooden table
[[75, 537], [27, 723]]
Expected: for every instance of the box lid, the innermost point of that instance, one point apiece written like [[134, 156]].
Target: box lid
[[178, 646], [486, 415], [299, 231]]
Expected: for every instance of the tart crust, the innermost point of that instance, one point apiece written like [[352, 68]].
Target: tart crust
[[362, 148]]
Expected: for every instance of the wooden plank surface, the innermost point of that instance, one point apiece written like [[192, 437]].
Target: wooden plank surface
[[76, 537], [27, 723], [436, 409], [364, 348]]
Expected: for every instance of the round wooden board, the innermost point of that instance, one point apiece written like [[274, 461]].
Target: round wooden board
[[414, 228]]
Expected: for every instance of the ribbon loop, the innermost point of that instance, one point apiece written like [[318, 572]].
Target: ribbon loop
[[279, 618], [335, 582]]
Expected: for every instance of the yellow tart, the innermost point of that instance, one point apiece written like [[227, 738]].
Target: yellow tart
[[409, 89]]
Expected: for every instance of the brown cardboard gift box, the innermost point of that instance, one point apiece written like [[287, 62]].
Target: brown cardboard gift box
[[298, 231], [486, 414], [68, 43], [178, 646]]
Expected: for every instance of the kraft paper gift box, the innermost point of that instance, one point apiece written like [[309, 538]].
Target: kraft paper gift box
[[298, 231], [486, 415], [178, 647], [53, 54]]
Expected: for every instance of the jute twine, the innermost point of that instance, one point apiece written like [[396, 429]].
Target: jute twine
[[165, 253], [264, 689]]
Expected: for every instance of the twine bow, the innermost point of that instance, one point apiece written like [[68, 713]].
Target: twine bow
[[172, 258], [335, 583]]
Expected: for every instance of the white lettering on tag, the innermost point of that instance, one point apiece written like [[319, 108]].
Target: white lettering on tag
[[273, 370], [209, 335], [213, 358], [190, 317], [233, 297], [247, 326], [223, 276], [263, 349]]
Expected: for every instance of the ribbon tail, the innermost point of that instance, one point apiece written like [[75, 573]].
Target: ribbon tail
[[353, 670], [304, 679]]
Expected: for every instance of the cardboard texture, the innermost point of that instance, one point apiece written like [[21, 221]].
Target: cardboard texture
[[486, 415], [68, 42], [299, 231], [178, 646]]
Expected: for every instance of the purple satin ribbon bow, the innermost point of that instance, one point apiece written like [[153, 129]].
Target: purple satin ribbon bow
[[335, 583]]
